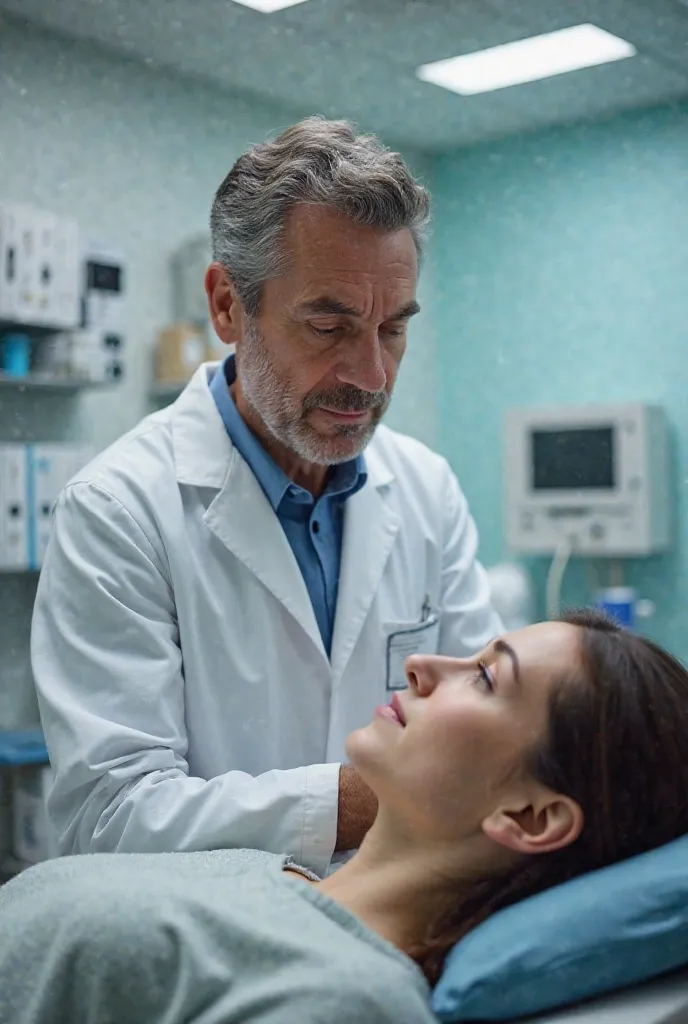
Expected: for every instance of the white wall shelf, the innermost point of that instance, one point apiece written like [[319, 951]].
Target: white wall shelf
[[47, 382]]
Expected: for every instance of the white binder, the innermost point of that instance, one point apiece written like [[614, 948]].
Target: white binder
[[50, 468], [14, 534], [39, 267]]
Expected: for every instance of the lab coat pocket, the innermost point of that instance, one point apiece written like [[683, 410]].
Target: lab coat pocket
[[404, 639]]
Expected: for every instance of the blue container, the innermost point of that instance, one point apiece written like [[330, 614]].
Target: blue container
[[23, 746], [620, 603], [16, 354]]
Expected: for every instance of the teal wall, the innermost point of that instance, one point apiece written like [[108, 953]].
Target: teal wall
[[414, 409], [561, 276]]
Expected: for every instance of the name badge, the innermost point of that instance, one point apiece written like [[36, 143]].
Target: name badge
[[404, 640]]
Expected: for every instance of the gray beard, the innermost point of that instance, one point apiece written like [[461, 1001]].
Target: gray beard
[[284, 413]]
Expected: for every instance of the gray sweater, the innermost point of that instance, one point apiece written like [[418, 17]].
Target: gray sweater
[[193, 938]]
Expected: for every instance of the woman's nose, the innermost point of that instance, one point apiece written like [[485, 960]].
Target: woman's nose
[[423, 672], [426, 671]]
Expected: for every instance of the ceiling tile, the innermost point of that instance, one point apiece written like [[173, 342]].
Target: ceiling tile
[[357, 58]]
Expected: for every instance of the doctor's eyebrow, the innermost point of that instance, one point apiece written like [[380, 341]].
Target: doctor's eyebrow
[[500, 646], [325, 306]]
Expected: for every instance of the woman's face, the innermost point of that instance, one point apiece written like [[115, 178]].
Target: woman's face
[[447, 751]]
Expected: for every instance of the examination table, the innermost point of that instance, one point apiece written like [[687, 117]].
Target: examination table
[[663, 1001]]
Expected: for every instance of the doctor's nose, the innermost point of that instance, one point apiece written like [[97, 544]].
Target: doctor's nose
[[364, 367]]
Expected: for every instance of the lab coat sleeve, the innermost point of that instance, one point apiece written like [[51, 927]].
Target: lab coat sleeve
[[467, 620], [108, 671]]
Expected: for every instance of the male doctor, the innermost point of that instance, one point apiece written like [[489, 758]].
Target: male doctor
[[234, 586]]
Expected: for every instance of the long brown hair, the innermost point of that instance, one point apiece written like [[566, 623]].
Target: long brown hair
[[617, 743]]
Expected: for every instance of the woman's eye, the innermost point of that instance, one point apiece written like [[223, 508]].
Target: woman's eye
[[484, 679]]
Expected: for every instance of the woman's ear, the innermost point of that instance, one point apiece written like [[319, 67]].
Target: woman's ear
[[548, 823]]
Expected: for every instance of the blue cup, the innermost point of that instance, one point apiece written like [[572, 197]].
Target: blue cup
[[16, 354]]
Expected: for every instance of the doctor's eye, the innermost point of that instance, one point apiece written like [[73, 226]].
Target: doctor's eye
[[326, 331]]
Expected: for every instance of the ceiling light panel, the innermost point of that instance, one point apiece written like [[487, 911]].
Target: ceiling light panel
[[268, 6], [528, 60]]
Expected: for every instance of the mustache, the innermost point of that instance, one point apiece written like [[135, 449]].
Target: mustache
[[346, 399]]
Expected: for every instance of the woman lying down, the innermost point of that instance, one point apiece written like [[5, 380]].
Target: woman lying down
[[557, 750]]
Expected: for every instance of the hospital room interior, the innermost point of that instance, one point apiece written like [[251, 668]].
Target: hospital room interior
[[547, 367]]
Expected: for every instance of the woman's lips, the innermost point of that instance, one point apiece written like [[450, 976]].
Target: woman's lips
[[398, 709], [392, 712]]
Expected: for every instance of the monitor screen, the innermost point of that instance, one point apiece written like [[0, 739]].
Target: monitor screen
[[104, 277], [580, 459]]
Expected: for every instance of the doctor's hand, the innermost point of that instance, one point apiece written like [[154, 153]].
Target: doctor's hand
[[357, 809]]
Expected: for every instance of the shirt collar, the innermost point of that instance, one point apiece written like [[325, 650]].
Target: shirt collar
[[347, 477]]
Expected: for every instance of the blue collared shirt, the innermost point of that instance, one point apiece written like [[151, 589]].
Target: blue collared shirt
[[313, 527]]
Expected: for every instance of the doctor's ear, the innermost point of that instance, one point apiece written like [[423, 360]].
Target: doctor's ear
[[550, 822], [226, 310]]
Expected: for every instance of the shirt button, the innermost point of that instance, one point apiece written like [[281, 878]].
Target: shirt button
[[316, 527]]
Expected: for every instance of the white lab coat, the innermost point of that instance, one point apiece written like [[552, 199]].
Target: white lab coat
[[187, 699]]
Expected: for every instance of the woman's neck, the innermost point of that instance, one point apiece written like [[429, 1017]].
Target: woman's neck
[[396, 889]]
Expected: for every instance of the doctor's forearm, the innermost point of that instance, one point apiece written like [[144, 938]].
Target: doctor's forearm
[[357, 809], [291, 812]]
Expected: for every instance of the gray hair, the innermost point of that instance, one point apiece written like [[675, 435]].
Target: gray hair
[[319, 162]]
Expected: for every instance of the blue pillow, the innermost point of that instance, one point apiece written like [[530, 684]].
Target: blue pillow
[[600, 932]]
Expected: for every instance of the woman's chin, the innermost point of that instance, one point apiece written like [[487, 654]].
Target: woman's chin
[[365, 749], [353, 743]]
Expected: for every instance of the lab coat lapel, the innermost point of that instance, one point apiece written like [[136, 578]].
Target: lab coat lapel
[[243, 519], [240, 515], [370, 529]]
